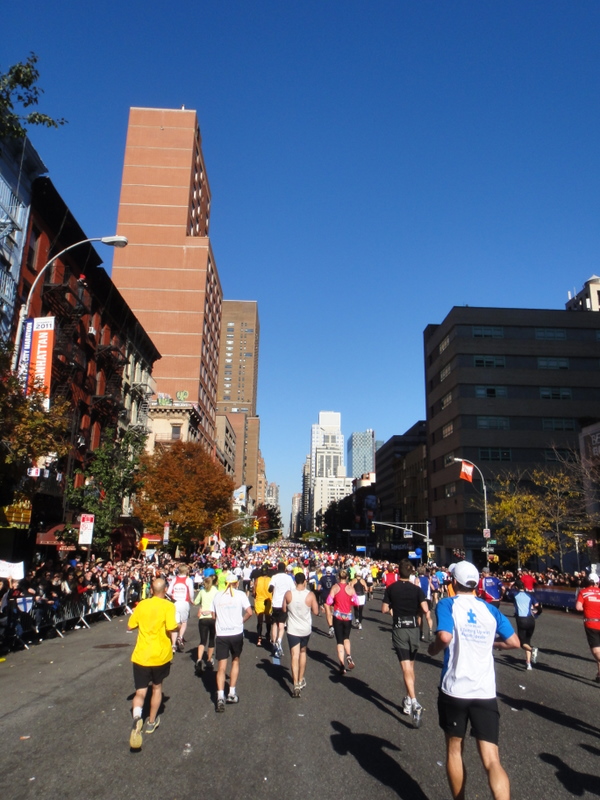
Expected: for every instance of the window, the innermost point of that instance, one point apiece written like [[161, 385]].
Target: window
[[446, 400], [444, 344], [175, 431], [558, 455], [553, 363], [447, 430], [550, 333], [555, 393], [449, 459], [34, 239], [495, 362], [487, 332], [558, 424], [494, 454], [444, 372], [450, 490], [490, 391], [493, 423]]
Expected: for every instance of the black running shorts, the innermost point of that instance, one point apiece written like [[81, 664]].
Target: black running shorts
[[455, 712], [593, 637], [144, 676], [229, 645]]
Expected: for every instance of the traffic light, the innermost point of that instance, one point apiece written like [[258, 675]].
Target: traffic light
[[372, 527], [255, 524]]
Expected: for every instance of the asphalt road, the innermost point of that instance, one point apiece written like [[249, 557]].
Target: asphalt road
[[65, 722]]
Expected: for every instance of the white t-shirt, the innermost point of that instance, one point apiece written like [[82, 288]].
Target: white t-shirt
[[229, 607], [281, 582]]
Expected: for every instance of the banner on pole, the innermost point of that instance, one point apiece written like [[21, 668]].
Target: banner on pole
[[466, 471], [86, 529]]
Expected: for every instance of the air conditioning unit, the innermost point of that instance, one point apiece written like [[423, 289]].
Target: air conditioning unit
[[91, 331]]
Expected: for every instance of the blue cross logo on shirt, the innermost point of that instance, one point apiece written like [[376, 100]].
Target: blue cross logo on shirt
[[471, 616]]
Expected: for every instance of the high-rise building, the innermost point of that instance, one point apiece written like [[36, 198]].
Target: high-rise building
[[167, 274], [510, 390], [238, 386], [361, 453], [327, 461]]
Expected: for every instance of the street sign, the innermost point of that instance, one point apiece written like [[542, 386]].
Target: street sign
[[487, 549], [86, 529], [493, 541], [407, 534], [486, 533]]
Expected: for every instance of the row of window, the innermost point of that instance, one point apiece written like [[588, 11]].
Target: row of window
[[499, 362], [497, 332], [503, 424], [487, 392]]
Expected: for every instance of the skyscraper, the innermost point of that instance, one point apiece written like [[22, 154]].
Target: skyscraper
[[238, 385], [361, 453], [168, 274]]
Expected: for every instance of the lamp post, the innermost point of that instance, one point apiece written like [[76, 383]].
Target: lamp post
[[486, 531], [113, 241]]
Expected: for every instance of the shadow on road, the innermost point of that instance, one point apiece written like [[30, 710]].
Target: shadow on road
[[368, 750], [550, 652], [277, 672], [519, 664], [576, 783], [362, 689], [551, 714]]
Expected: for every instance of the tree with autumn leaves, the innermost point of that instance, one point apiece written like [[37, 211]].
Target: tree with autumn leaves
[[183, 486], [540, 513], [28, 432]]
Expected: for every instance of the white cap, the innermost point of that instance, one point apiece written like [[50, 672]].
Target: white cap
[[594, 577], [466, 574], [231, 577]]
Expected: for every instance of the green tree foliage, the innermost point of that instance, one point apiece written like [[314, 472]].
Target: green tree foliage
[[184, 486], [515, 515], [27, 431], [18, 92], [111, 476]]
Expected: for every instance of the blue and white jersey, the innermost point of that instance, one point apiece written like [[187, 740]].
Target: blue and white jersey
[[468, 670], [523, 604]]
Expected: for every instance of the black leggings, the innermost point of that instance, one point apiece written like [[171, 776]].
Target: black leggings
[[260, 618]]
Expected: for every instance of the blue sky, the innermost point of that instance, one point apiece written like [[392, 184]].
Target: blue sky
[[372, 164]]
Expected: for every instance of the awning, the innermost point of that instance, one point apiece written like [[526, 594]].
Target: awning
[[48, 538]]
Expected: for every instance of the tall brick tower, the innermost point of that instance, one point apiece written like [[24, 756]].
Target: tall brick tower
[[168, 274]]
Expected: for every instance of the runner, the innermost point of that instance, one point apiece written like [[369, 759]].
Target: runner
[[299, 604], [326, 583], [230, 609], [206, 624], [526, 607], [466, 629], [491, 588], [280, 583], [151, 657], [262, 602], [341, 600], [181, 591], [361, 589], [588, 601], [406, 602]]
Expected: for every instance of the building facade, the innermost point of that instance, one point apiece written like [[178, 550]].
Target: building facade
[[361, 453], [507, 389], [168, 274]]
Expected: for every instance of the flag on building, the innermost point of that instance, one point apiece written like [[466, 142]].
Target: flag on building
[[466, 471]]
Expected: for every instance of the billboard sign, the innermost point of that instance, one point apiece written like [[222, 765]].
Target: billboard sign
[[86, 529], [35, 363]]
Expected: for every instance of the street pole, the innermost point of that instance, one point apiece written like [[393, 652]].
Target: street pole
[[113, 241], [485, 509]]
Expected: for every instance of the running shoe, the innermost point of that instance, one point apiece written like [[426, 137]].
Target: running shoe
[[342, 669], [199, 667], [534, 655], [152, 726], [135, 737], [220, 707], [407, 706], [360, 626], [259, 641], [296, 690], [302, 683], [350, 662], [528, 666], [179, 645], [331, 632], [279, 651], [232, 698], [417, 711]]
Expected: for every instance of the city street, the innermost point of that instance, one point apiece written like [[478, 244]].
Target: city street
[[65, 714]]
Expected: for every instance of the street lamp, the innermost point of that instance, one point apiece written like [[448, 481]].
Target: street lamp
[[485, 511], [113, 241]]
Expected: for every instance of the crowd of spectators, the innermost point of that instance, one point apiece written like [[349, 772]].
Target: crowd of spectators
[[61, 593]]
